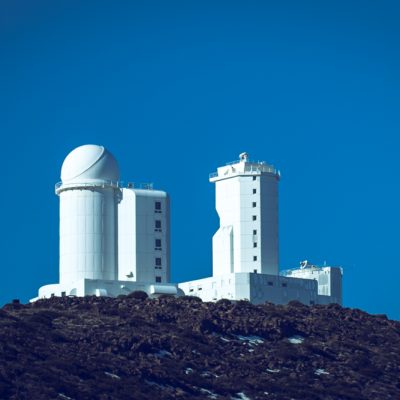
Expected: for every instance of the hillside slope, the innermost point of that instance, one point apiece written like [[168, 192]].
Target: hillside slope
[[167, 348]]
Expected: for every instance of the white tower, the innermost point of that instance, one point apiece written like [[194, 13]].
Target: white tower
[[89, 196], [247, 205]]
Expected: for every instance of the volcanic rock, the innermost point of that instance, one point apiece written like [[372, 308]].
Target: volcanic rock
[[135, 347]]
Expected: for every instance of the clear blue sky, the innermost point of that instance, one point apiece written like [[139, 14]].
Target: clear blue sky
[[175, 89]]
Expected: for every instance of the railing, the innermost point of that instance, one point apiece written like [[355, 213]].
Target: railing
[[253, 168], [60, 186]]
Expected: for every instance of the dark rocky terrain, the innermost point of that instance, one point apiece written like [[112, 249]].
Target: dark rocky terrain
[[167, 348]]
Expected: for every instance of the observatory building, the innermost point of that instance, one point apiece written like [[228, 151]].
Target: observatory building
[[113, 239], [246, 245]]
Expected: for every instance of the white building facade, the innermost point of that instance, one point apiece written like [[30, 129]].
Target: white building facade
[[246, 246], [144, 236], [113, 240], [247, 205]]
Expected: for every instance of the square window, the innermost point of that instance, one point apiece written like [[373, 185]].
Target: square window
[[254, 178], [284, 284], [270, 283], [255, 271], [254, 217], [254, 258], [158, 261], [254, 191], [255, 244], [158, 279], [254, 204], [254, 231]]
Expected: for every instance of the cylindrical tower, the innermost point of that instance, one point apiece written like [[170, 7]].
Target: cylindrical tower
[[89, 193]]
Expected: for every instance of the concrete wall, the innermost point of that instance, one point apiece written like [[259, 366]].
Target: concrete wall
[[140, 259], [329, 281], [98, 287], [257, 288]]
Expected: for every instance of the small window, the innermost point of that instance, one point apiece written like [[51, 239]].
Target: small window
[[254, 258], [312, 302], [254, 231], [270, 283], [158, 261], [254, 191], [191, 290], [157, 206], [158, 279], [255, 244], [63, 294], [284, 284], [254, 217], [254, 204], [255, 271], [157, 225], [254, 178], [158, 244]]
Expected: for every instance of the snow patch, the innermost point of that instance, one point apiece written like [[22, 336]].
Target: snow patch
[[321, 371], [188, 371], [273, 371], [240, 396], [65, 397], [210, 395], [162, 353], [112, 375], [251, 340], [297, 339]]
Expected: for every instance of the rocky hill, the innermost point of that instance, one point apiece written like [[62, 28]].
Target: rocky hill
[[167, 348]]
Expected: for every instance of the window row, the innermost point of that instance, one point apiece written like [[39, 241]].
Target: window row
[[283, 284]]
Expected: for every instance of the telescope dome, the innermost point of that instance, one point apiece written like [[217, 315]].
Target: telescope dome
[[88, 163]]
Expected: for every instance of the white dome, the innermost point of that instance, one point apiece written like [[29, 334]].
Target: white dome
[[89, 162]]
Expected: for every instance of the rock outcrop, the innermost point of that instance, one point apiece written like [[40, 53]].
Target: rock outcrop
[[134, 347]]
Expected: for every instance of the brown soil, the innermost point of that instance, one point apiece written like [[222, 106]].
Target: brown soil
[[134, 347]]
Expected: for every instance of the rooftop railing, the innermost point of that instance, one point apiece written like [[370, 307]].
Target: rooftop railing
[[252, 168], [60, 186]]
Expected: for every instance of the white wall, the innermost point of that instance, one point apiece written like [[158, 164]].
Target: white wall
[[137, 234], [257, 288], [329, 280], [88, 240], [99, 287]]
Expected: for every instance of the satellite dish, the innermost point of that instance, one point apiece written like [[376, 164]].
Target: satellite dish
[[303, 264], [244, 156]]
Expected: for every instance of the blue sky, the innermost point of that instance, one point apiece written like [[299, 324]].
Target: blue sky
[[175, 89]]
